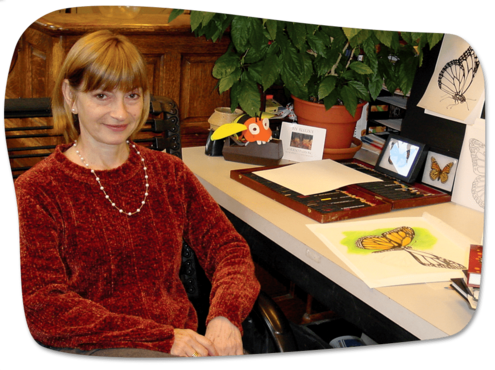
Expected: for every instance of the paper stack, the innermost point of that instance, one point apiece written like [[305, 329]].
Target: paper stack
[[373, 143]]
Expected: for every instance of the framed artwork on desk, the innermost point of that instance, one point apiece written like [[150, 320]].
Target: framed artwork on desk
[[440, 171], [302, 143], [401, 158]]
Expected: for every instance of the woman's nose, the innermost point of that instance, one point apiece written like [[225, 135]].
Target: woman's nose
[[119, 109]]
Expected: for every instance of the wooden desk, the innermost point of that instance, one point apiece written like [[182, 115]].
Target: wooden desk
[[401, 313]]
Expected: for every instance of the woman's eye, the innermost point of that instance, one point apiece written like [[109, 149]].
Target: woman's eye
[[134, 95], [100, 96]]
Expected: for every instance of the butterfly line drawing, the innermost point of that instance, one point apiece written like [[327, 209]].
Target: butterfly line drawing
[[477, 150], [399, 239], [456, 77], [437, 173]]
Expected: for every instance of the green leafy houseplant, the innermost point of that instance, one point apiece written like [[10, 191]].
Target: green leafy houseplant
[[330, 65]]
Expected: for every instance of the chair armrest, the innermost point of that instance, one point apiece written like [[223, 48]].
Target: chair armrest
[[277, 324]]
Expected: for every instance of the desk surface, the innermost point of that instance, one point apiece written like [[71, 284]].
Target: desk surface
[[427, 311]]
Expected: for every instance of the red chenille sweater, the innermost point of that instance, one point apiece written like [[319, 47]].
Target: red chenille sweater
[[95, 278]]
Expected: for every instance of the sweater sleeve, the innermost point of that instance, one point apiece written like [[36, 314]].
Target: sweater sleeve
[[57, 316], [222, 252]]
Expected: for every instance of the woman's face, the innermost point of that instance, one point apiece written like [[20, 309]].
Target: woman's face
[[108, 117]]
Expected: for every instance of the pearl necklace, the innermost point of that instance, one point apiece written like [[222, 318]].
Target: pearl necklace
[[103, 189]]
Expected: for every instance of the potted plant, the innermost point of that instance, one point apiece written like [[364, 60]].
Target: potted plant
[[328, 68]]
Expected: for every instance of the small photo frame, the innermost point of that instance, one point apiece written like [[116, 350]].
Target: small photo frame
[[440, 171], [401, 158], [302, 143]]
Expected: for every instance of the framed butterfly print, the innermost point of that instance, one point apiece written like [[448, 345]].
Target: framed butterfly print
[[401, 158], [440, 171]]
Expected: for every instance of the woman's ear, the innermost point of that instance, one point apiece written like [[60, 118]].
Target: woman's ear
[[69, 96]]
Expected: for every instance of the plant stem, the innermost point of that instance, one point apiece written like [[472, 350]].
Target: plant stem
[[332, 72], [350, 58]]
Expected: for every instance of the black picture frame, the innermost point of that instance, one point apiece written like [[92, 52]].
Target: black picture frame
[[402, 158]]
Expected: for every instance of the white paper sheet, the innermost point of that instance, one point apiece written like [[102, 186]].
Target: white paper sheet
[[454, 68], [315, 176], [397, 267], [469, 186]]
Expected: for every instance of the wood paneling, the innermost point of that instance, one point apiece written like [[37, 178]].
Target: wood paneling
[[179, 64]]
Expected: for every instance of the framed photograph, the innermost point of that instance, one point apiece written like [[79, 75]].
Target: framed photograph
[[401, 158], [302, 143], [440, 171]]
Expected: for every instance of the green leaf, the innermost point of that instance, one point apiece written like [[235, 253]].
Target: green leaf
[[316, 44], [256, 54], [207, 17], [327, 85], [297, 34], [407, 37], [331, 100], [228, 81], [372, 63], [370, 50], [256, 38], [271, 26], [395, 41], [225, 65], [391, 84], [311, 28], [360, 68], [348, 75], [407, 72], [291, 59], [360, 90], [307, 64], [293, 83], [174, 14], [434, 38], [350, 99], [240, 32], [254, 72], [375, 86], [415, 37], [196, 19], [212, 31], [350, 32], [322, 66], [360, 37], [249, 97], [271, 71], [385, 37], [226, 21]]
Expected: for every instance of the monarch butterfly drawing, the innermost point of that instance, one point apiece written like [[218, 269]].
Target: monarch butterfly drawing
[[437, 173], [477, 149], [456, 76], [399, 239]]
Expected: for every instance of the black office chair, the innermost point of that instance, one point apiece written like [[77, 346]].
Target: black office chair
[[266, 330]]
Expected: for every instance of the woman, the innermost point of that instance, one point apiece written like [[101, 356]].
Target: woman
[[102, 222]]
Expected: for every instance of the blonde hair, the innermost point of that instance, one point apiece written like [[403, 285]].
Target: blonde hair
[[100, 60]]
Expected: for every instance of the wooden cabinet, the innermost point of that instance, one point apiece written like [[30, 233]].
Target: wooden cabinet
[[179, 64]]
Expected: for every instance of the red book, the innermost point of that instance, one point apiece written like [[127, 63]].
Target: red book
[[474, 268]]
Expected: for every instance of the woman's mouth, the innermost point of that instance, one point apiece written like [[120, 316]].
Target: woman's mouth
[[117, 127]]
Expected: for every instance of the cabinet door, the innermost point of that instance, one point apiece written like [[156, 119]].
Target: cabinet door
[[198, 95]]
